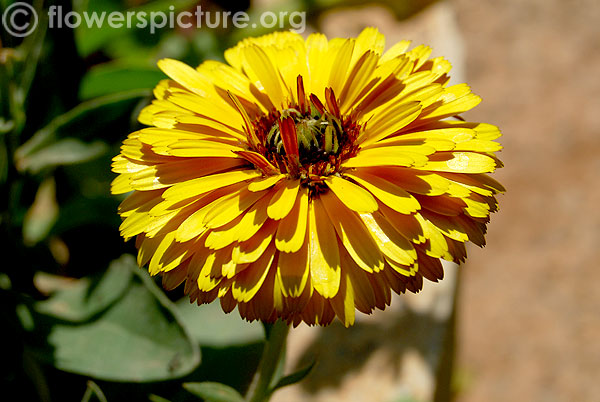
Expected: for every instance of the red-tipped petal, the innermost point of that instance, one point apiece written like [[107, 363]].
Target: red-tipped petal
[[259, 161], [301, 95], [332, 103], [247, 120], [290, 141], [317, 103]]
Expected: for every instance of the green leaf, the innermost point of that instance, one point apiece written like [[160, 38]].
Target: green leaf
[[3, 158], [32, 47], [213, 391], [210, 326], [64, 152], [110, 78], [42, 214], [294, 377], [74, 213], [87, 297], [90, 115], [94, 37], [157, 398], [138, 338]]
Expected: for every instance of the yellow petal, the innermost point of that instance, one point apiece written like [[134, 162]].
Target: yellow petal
[[358, 78], [406, 270], [226, 77], [396, 50], [283, 199], [436, 245], [354, 197], [364, 296], [385, 156], [176, 254], [264, 183], [463, 138], [343, 302], [339, 68], [426, 95], [412, 180], [166, 242], [448, 225], [278, 297], [170, 222], [184, 75], [325, 269], [147, 247], [459, 162], [420, 54], [293, 269], [229, 268], [486, 131], [209, 108], [121, 184], [292, 228], [353, 234], [139, 222], [456, 99], [198, 148], [438, 144], [318, 62], [392, 244], [369, 39], [208, 127], [261, 71], [407, 225], [475, 208], [155, 135], [387, 192], [253, 220], [210, 270], [247, 283], [251, 250], [139, 201], [388, 122], [442, 204], [224, 235], [205, 184], [385, 86], [453, 134], [478, 146], [229, 208], [468, 182], [194, 224], [166, 174]]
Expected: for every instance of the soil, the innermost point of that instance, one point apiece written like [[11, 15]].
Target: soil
[[529, 309]]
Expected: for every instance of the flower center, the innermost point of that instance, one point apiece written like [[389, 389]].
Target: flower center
[[309, 140], [318, 135]]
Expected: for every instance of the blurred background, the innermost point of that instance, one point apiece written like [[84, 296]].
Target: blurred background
[[519, 321]]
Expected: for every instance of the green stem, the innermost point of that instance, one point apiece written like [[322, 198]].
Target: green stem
[[265, 377]]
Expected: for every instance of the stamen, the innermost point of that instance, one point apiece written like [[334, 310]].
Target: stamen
[[308, 140]]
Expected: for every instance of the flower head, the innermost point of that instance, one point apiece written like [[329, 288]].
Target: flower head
[[307, 178]]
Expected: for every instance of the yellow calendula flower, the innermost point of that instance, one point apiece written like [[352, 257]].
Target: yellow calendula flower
[[307, 179]]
